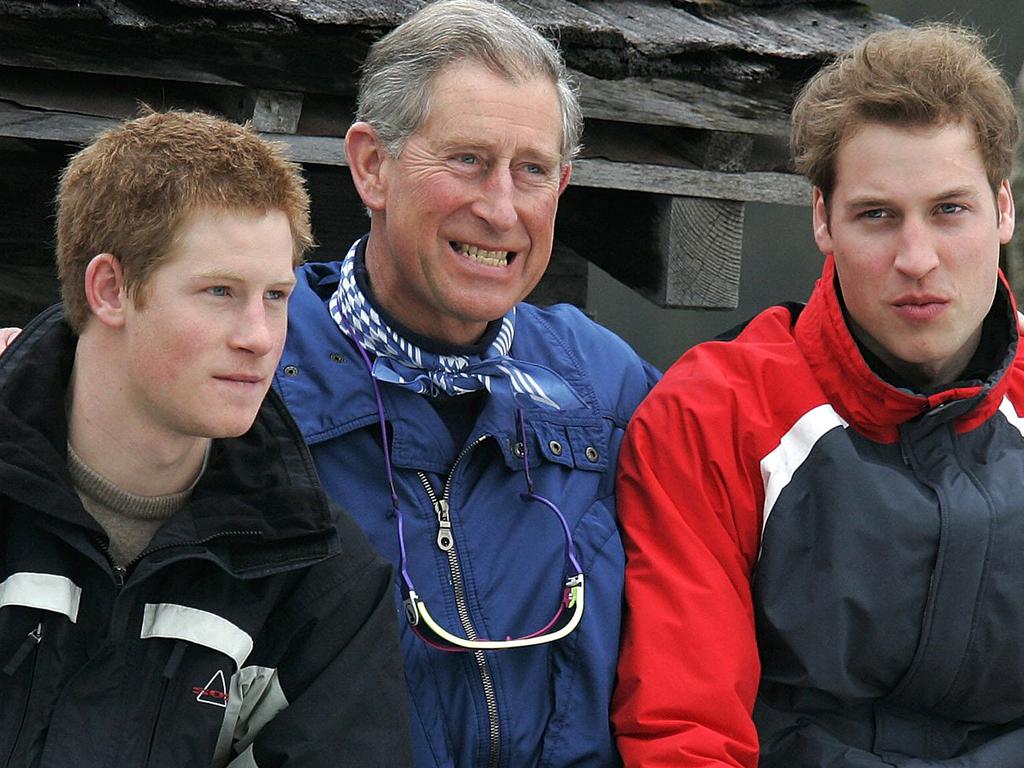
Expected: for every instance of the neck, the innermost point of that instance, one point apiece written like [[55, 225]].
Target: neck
[[136, 457], [924, 376]]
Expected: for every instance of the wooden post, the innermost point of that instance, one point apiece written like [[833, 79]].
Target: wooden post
[[676, 251], [274, 111]]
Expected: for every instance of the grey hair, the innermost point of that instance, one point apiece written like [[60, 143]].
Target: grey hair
[[395, 87]]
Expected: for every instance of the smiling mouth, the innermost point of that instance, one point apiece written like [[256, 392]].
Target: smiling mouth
[[483, 256]]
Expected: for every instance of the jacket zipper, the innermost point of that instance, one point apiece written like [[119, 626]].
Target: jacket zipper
[[121, 572], [446, 543], [191, 543], [120, 575], [165, 680], [31, 643]]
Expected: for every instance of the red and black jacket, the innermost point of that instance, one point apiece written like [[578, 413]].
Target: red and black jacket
[[845, 553]]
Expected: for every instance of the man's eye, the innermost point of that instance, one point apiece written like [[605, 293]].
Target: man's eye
[[468, 159], [219, 290], [875, 213], [277, 295], [950, 208]]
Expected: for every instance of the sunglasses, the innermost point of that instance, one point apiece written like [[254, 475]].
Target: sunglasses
[[570, 605]]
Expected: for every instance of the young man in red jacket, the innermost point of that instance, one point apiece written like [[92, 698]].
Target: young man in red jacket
[[822, 510]]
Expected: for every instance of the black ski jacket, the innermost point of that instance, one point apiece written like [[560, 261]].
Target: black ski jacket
[[258, 627]]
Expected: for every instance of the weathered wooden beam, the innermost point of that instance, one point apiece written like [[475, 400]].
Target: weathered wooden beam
[[684, 103], [720, 151], [681, 147], [324, 60], [274, 111], [312, 45], [802, 31], [766, 187], [50, 126], [676, 251]]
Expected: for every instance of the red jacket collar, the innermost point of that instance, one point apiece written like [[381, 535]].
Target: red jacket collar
[[870, 404]]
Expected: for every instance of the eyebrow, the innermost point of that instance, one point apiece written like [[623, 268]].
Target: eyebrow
[[870, 201], [231, 276], [967, 191], [456, 144]]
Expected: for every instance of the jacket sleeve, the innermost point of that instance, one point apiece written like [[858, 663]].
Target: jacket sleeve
[[688, 671], [340, 681]]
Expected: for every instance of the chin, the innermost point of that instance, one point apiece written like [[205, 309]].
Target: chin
[[487, 308], [230, 428]]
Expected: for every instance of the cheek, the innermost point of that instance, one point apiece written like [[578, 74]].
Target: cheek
[[539, 217], [983, 283], [439, 195], [167, 357], [280, 333], [861, 263], [973, 261], [861, 287]]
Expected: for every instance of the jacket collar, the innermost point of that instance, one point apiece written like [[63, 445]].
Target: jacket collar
[[323, 381], [869, 403]]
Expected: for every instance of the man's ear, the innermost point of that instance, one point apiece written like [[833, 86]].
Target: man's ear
[[563, 180], [1007, 213], [819, 216], [105, 291], [366, 160]]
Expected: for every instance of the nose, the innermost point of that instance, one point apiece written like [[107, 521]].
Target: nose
[[496, 202], [916, 253], [254, 331]]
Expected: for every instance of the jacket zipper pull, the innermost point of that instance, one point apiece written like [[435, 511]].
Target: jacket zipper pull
[[31, 641], [903, 453], [174, 660], [445, 540]]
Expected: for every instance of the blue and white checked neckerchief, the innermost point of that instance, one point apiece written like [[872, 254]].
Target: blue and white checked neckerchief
[[399, 361]]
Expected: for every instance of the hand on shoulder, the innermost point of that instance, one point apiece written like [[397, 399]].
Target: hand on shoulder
[[7, 336]]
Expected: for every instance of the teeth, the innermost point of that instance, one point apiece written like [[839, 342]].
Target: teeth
[[490, 258]]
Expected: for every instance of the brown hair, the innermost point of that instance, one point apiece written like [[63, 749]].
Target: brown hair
[[128, 192], [930, 75]]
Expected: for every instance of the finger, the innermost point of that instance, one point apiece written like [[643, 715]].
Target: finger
[[7, 336]]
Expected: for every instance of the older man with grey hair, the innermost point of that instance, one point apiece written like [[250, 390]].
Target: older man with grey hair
[[474, 437]]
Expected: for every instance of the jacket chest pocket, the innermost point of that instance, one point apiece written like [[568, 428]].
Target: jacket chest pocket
[[211, 704], [578, 446], [192, 657]]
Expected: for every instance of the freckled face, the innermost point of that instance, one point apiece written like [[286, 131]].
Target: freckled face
[[915, 230], [202, 347], [466, 227]]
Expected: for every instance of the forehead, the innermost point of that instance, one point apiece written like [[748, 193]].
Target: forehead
[[470, 103], [908, 157], [209, 238]]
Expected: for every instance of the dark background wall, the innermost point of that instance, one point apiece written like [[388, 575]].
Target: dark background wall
[[780, 260]]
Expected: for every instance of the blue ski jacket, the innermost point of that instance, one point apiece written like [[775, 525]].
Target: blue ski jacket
[[545, 705]]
